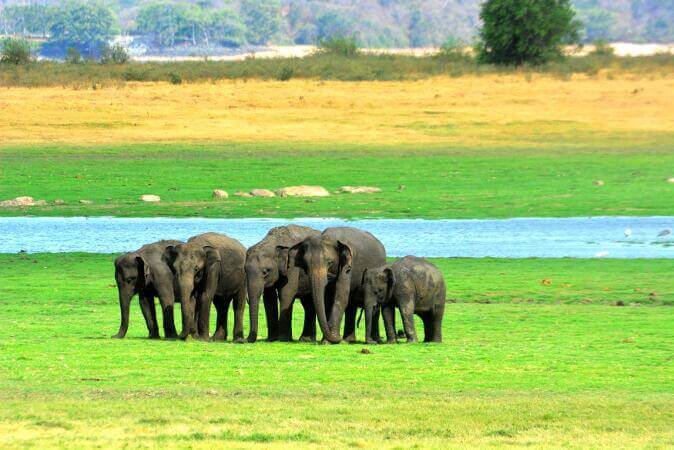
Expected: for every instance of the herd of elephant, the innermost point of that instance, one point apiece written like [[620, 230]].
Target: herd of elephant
[[333, 274]]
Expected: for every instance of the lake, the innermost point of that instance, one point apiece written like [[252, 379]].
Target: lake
[[613, 237]]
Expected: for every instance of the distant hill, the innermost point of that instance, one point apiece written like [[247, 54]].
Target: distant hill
[[418, 23]]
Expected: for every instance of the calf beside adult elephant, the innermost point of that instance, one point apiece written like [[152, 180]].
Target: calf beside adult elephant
[[145, 272], [267, 276], [209, 269], [335, 262]]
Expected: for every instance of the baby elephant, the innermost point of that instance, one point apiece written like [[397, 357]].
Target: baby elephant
[[415, 286]]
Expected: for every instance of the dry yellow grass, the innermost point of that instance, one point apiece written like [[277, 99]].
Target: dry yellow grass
[[489, 111]]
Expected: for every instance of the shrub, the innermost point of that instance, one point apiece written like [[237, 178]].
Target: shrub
[[517, 32], [341, 46], [115, 54], [285, 74], [453, 50], [73, 56], [174, 78], [602, 48], [16, 51]]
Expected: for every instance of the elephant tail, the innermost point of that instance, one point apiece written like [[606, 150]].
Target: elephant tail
[[360, 316]]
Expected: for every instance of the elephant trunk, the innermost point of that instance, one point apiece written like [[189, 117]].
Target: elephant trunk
[[255, 288], [369, 313], [319, 281], [125, 293], [187, 307]]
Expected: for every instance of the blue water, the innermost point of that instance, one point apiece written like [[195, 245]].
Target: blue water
[[510, 238]]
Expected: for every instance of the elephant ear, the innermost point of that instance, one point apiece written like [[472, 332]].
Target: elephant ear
[[295, 255], [282, 259], [345, 257], [212, 259], [390, 282], [144, 270], [169, 255]]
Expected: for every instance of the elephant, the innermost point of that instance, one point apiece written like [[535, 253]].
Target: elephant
[[267, 275], [334, 263], [209, 269], [415, 286], [145, 272]]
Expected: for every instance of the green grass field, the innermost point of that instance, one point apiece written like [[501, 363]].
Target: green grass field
[[453, 183], [563, 367]]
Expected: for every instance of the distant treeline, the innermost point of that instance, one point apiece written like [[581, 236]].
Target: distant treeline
[[374, 23]]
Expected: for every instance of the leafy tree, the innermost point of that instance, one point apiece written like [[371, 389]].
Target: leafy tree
[[526, 31], [27, 19], [225, 27], [15, 51], [333, 25], [83, 25], [262, 19], [161, 21]]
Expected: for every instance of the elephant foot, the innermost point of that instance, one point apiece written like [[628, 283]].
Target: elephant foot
[[285, 338], [349, 339], [252, 338], [412, 340], [371, 342], [153, 336], [307, 339], [118, 336], [217, 338], [392, 341], [238, 340]]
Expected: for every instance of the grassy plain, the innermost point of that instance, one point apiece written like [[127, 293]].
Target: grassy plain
[[468, 147], [537, 375]]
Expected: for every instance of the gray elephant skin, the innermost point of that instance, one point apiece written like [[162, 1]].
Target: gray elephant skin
[[267, 276], [415, 286], [146, 273], [334, 263], [209, 269]]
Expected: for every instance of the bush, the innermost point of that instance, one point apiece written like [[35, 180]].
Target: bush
[[517, 32], [73, 56], [285, 74], [453, 50], [115, 54], [174, 78], [16, 51], [602, 48], [341, 46]]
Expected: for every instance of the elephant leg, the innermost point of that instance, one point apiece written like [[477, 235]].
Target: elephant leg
[[427, 318], [239, 311], [341, 301], [270, 298], [309, 329], [350, 324], [407, 313], [222, 311], [166, 301], [204, 317], [438, 315], [125, 296], [388, 311], [150, 314], [286, 316]]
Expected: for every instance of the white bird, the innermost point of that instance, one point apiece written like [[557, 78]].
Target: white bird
[[628, 232], [664, 233]]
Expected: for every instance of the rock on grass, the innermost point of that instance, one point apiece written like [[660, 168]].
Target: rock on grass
[[150, 198], [303, 191], [359, 190]]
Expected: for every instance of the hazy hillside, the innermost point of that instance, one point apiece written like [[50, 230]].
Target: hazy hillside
[[402, 23]]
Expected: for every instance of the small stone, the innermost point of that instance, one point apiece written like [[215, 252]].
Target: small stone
[[599, 183], [402, 187], [40, 203], [243, 194], [359, 189], [219, 193], [19, 201], [262, 193], [670, 180], [365, 351], [58, 202], [303, 191], [86, 202], [620, 303], [150, 198]]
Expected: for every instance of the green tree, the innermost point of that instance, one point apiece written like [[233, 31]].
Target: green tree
[[27, 19], [526, 31], [83, 25], [161, 21], [262, 19], [224, 26], [333, 25]]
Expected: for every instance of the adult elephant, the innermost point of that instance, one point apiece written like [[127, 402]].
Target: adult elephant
[[267, 276], [209, 269], [146, 273], [335, 262]]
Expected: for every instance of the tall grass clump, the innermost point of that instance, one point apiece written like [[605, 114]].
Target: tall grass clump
[[346, 47], [16, 51]]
